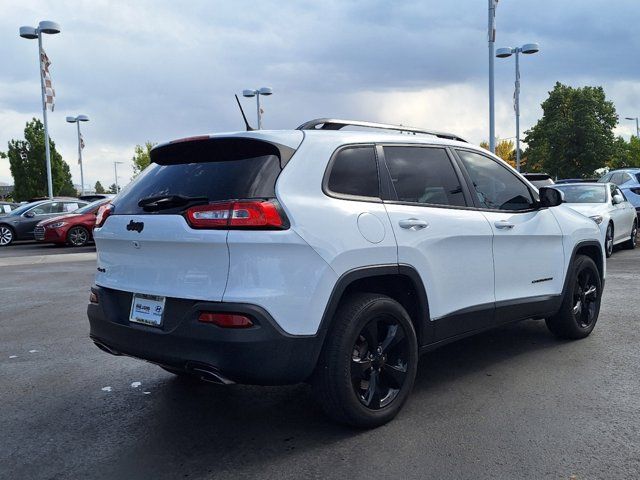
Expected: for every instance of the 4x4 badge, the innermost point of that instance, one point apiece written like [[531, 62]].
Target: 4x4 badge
[[135, 226]]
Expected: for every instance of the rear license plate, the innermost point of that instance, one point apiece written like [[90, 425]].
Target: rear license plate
[[147, 309]]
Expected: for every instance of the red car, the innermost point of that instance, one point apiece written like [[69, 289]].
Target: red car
[[75, 229]]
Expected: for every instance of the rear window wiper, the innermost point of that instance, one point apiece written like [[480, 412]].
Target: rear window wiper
[[153, 204]]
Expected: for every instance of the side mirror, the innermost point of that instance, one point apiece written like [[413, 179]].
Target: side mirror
[[617, 199], [29, 215], [550, 197]]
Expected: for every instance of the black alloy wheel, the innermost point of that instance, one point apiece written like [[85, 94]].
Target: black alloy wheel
[[368, 362], [580, 306], [379, 363], [585, 298]]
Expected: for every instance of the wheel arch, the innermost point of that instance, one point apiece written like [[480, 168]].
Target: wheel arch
[[400, 282], [591, 249]]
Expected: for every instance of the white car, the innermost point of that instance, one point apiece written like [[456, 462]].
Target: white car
[[607, 206], [334, 257]]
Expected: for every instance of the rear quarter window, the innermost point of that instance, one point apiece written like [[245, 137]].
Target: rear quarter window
[[354, 173]]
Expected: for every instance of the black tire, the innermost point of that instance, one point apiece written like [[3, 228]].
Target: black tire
[[581, 304], [361, 380], [633, 240], [7, 235], [78, 236], [608, 241]]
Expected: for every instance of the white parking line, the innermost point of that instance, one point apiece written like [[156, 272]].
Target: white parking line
[[45, 259]]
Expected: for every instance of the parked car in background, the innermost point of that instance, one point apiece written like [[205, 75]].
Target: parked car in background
[[575, 180], [20, 223], [607, 206], [628, 179], [74, 229], [539, 179], [7, 207]]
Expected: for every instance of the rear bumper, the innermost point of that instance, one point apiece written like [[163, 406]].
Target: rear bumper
[[262, 354]]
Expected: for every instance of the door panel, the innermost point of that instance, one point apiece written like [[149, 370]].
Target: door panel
[[452, 254], [528, 254]]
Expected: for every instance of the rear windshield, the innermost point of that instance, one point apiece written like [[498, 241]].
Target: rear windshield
[[215, 170]]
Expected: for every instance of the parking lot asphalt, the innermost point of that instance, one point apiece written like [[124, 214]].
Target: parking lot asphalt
[[512, 403]]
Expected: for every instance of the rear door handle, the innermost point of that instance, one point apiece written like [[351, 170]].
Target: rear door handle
[[413, 224], [503, 225]]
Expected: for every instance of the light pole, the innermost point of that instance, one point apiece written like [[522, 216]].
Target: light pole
[[527, 49], [115, 171], [492, 111], [637, 125], [77, 120], [256, 93], [31, 33]]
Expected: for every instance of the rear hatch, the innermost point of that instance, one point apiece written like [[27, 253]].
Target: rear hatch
[[166, 233]]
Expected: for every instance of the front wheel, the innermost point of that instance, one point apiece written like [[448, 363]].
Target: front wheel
[[633, 240], [581, 304], [368, 363], [78, 236], [6, 236]]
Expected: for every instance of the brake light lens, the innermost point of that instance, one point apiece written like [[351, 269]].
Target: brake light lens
[[241, 214], [103, 212], [225, 320]]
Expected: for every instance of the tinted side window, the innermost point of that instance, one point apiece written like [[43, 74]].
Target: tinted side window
[[354, 172], [605, 178], [46, 208], [424, 175], [495, 186]]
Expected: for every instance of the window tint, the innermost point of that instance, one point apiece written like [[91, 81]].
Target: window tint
[[354, 172], [424, 175], [496, 187], [605, 178]]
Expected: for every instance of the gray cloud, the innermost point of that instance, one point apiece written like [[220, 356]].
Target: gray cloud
[[159, 70]]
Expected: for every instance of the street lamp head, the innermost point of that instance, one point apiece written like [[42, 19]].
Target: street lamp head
[[82, 118], [266, 91], [249, 93], [529, 48], [72, 119], [47, 26], [630, 118], [29, 32], [504, 52]]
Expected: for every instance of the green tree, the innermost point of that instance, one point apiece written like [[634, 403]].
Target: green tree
[[574, 137], [99, 188], [113, 188], [28, 165], [141, 158], [626, 154]]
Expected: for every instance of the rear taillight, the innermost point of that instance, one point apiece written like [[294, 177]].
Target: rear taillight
[[225, 320], [103, 212], [258, 214]]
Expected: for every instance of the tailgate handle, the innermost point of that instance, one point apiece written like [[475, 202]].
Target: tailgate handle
[[413, 224]]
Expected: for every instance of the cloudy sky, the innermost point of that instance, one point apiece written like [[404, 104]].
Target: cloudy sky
[[157, 70]]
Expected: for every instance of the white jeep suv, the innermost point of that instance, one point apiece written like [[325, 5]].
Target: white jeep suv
[[335, 257]]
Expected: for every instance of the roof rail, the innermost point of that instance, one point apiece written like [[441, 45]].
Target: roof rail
[[336, 124]]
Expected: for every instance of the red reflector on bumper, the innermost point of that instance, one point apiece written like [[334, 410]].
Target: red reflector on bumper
[[225, 320]]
